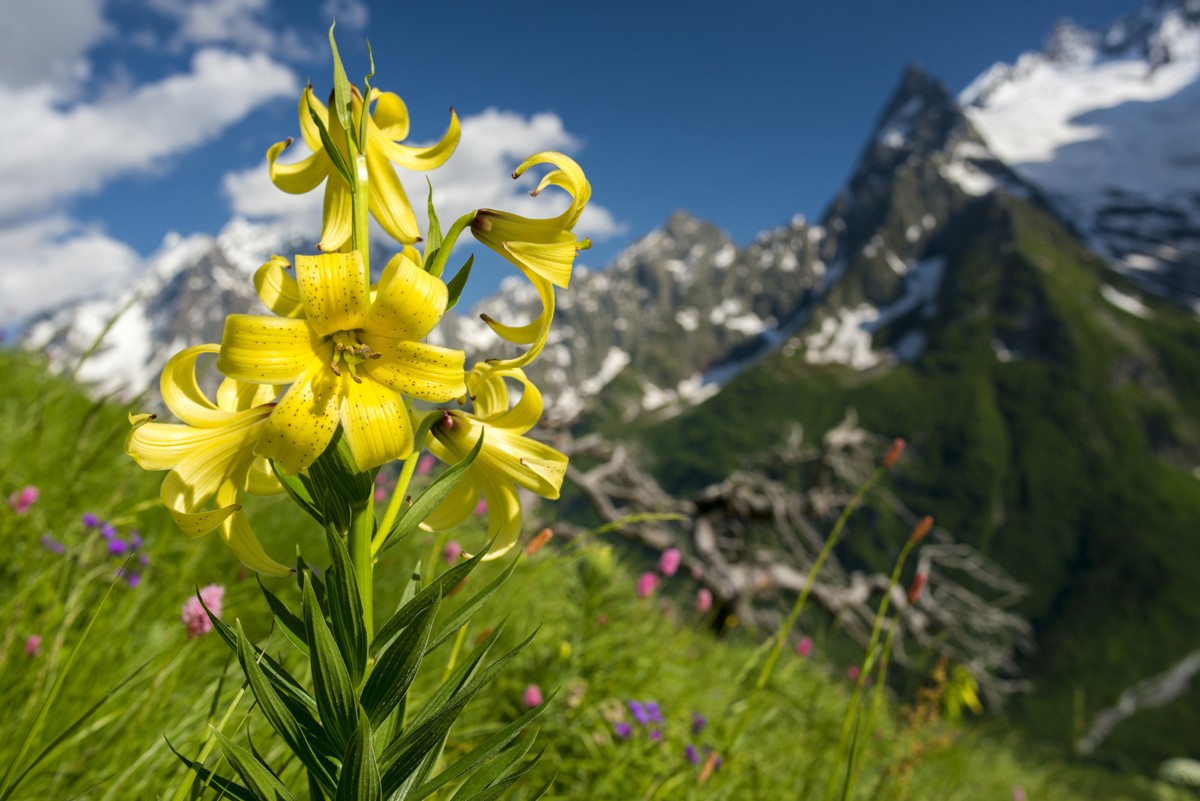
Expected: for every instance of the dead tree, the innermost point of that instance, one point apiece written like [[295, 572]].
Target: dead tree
[[752, 540]]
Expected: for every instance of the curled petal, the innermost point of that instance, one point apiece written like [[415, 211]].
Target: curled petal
[[337, 216], [182, 394], [309, 104], [485, 384], [390, 114], [551, 260], [388, 200], [268, 350], [568, 176], [408, 302], [533, 334], [534, 465], [236, 531], [418, 158], [504, 516], [334, 289], [278, 290], [416, 369], [375, 422], [298, 178], [455, 507], [303, 422], [261, 480], [237, 396], [193, 524]]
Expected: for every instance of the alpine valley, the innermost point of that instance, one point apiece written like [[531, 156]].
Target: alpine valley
[[1010, 280]]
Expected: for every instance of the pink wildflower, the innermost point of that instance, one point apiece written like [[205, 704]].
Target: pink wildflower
[[704, 600], [380, 493], [646, 584], [852, 672], [481, 508], [21, 500], [452, 552], [804, 647], [668, 563], [33, 645], [425, 464], [194, 618], [532, 696], [1018, 793]]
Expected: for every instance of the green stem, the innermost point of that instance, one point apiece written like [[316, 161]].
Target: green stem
[[448, 240], [397, 500], [359, 194], [362, 529], [782, 637]]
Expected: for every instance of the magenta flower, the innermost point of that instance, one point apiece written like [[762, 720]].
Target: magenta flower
[[532, 696], [804, 647], [194, 618], [646, 584], [425, 464], [852, 672], [452, 552], [704, 600], [33, 644], [380, 493], [668, 563], [22, 499], [481, 508]]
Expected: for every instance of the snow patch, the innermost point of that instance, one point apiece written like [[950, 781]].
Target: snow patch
[[1124, 302]]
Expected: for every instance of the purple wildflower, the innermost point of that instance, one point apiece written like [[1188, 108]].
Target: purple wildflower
[[52, 545], [656, 735], [107, 531], [691, 754], [638, 710], [133, 579], [135, 540], [654, 711], [117, 547], [699, 722], [143, 559], [90, 520], [622, 729]]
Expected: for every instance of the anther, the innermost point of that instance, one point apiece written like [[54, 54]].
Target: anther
[[447, 420], [333, 366]]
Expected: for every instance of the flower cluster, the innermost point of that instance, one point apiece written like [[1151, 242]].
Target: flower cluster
[[343, 358], [648, 716]]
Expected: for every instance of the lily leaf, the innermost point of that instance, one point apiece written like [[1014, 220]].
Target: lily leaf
[[465, 612], [227, 787], [396, 669], [457, 283], [258, 777], [495, 770], [360, 772], [334, 693], [290, 624], [440, 586], [345, 608]]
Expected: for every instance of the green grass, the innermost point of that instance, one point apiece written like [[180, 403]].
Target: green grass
[[598, 646]]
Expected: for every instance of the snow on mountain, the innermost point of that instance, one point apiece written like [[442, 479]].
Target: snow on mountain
[[1105, 124]]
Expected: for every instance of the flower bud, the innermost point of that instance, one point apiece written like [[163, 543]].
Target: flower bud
[[893, 454]]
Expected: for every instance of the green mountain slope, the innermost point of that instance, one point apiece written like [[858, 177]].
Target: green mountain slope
[[1048, 427]]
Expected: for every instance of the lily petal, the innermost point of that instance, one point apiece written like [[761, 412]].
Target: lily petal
[[303, 422], [418, 158], [240, 538], [390, 114], [277, 289], [308, 129], [182, 394], [568, 176], [334, 289], [300, 177], [388, 200], [268, 350], [455, 507], [486, 385], [417, 369], [533, 334], [408, 302], [504, 516], [375, 423], [337, 215], [534, 465]]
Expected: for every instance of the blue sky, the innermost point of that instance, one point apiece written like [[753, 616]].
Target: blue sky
[[130, 119]]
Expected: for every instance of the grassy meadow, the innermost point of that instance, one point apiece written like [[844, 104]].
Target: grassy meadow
[[98, 664]]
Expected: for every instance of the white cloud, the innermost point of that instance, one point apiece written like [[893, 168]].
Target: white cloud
[[208, 22], [347, 13], [54, 259], [52, 153], [45, 41], [477, 176]]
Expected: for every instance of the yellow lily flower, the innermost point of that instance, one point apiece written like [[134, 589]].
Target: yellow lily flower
[[543, 250], [387, 125], [210, 455], [350, 359], [505, 461]]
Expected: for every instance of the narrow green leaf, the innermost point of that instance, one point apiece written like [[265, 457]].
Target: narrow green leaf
[[440, 586], [494, 771], [396, 669], [480, 753], [464, 613], [458, 282], [314, 787], [401, 760], [280, 717], [462, 674], [433, 239], [318, 584], [258, 777], [428, 500], [365, 113], [335, 155], [297, 488], [504, 785], [359, 780], [225, 786], [341, 87], [297, 699], [290, 624], [333, 691], [438, 263], [346, 609]]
